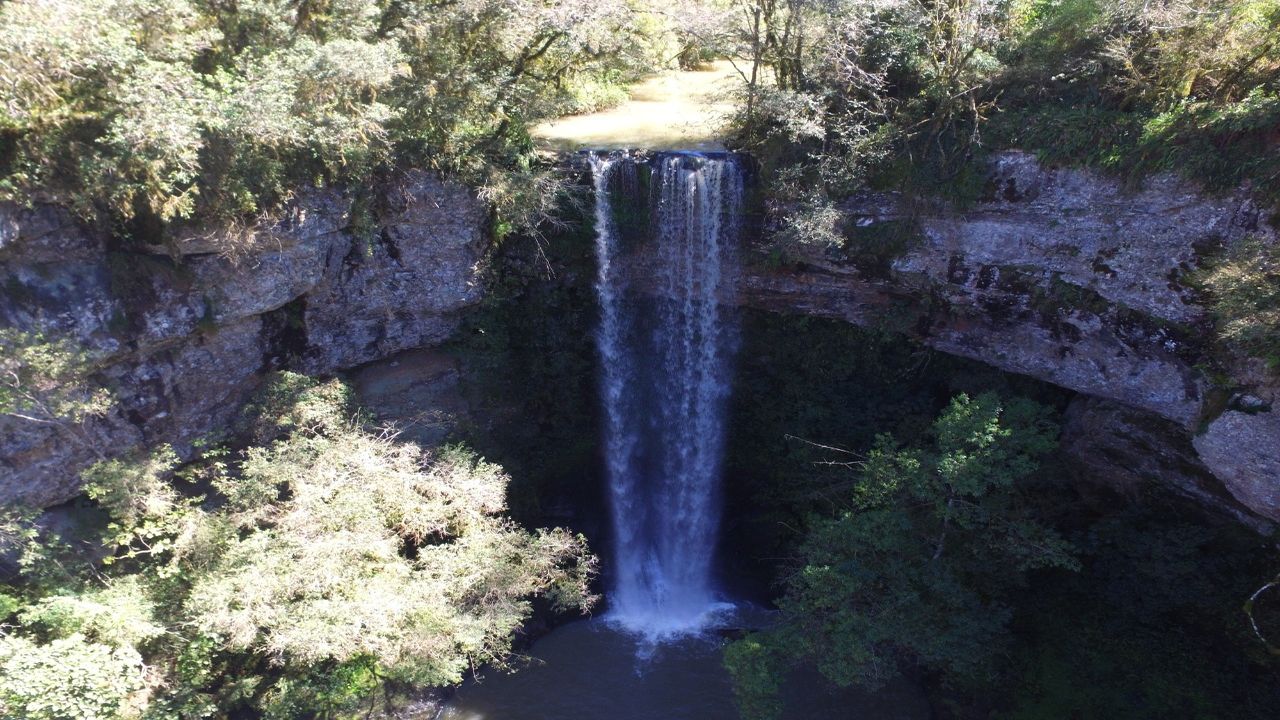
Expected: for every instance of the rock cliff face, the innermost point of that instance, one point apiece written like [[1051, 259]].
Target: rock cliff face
[[1061, 275], [183, 339], [1058, 274], [1068, 277], [1128, 449]]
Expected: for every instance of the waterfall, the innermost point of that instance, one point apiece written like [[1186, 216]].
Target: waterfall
[[665, 381]]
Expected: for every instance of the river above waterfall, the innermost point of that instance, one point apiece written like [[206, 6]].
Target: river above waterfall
[[674, 110], [587, 670]]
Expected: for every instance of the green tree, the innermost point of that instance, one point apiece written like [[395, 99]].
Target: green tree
[[1243, 286], [917, 567], [175, 109], [67, 678], [908, 94], [289, 578], [47, 381]]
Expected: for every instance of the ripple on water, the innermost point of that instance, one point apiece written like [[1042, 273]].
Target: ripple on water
[[654, 628]]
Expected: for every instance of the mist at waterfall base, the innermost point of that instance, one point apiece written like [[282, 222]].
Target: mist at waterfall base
[[666, 364]]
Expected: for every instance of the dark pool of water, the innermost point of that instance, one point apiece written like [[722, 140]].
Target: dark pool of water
[[588, 671]]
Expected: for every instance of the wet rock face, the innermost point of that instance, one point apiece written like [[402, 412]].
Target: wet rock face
[[184, 341], [1068, 277]]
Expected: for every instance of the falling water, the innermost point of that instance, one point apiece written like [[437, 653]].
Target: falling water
[[665, 382]]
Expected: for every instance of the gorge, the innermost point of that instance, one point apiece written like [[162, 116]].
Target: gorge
[[414, 282], [1133, 431], [631, 359], [1135, 424]]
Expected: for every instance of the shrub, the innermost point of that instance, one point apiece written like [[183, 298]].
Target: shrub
[[1244, 298], [68, 679], [917, 565], [172, 109]]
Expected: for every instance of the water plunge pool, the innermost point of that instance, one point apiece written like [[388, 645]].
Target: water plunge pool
[[588, 670]]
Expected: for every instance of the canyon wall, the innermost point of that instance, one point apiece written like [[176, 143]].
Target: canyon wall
[[1069, 277], [1063, 275], [183, 335]]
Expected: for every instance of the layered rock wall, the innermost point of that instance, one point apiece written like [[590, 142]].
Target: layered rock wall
[[1062, 275], [1072, 278], [184, 334]]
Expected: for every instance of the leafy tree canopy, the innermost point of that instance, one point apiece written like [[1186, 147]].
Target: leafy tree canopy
[[908, 93], [916, 568], [290, 577], [176, 108]]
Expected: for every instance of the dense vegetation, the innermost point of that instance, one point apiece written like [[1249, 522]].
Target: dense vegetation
[[1045, 592], [159, 110], [919, 563], [308, 564], [307, 569], [1245, 298], [910, 94]]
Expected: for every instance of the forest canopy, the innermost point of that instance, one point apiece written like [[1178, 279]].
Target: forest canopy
[[176, 108], [294, 573], [171, 109], [912, 94]]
